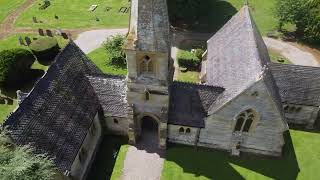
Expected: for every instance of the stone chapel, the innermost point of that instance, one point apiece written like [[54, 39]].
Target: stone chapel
[[244, 102]]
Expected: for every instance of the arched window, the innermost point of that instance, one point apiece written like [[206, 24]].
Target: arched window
[[147, 95], [245, 120], [146, 65], [188, 130], [181, 130]]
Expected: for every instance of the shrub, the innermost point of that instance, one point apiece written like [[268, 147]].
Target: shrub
[[114, 48], [14, 65], [188, 59], [45, 5], [45, 49]]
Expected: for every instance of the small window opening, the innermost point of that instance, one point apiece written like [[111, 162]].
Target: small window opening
[[181, 130], [115, 121], [188, 130]]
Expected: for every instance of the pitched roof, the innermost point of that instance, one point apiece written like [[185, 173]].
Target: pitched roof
[[237, 57], [189, 103], [298, 84], [149, 26], [57, 113], [111, 91]]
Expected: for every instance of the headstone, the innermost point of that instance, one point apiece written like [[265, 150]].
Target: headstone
[[93, 7], [49, 33], [34, 19], [41, 33], [28, 40], [21, 42], [107, 9], [64, 35], [56, 16]]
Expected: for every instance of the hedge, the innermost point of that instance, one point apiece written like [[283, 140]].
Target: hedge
[[14, 66], [45, 49], [188, 59]]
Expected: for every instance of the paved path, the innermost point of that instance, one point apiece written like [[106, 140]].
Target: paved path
[[294, 54], [144, 161], [91, 40]]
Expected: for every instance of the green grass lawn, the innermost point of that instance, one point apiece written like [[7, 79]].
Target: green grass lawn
[[75, 14], [213, 14], [300, 161], [189, 76], [99, 57], [7, 6], [12, 41], [117, 169], [277, 57], [5, 110]]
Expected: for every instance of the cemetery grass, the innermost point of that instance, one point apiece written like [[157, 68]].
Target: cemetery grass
[[5, 110], [189, 76], [100, 58], [300, 161], [213, 14], [7, 6], [275, 57], [75, 14]]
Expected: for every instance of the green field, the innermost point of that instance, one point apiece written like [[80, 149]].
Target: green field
[[7, 6], [5, 110], [13, 41], [100, 58], [74, 14], [189, 76], [300, 161], [213, 14]]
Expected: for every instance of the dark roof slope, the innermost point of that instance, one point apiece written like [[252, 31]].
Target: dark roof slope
[[298, 84], [237, 57], [57, 113], [111, 91], [149, 26], [189, 103]]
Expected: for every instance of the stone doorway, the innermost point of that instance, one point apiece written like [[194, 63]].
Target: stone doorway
[[149, 137]]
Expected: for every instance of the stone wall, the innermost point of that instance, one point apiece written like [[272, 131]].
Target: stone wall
[[265, 135], [91, 143], [117, 126], [301, 115], [188, 138]]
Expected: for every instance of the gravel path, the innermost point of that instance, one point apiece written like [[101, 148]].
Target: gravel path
[[144, 161], [91, 40], [294, 54]]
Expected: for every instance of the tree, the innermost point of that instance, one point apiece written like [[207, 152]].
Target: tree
[[304, 14], [14, 64], [114, 47], [19, 162]]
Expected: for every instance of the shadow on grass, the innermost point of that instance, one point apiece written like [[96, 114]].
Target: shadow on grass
[[106, 157], [217, 165], [200, 15]]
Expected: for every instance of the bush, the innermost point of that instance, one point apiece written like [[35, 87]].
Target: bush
[[14, 65], [114, 48], [45, 5], [188, 59], [45, 49]]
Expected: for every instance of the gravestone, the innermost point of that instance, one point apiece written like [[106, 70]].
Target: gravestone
[[28, 40], [49, 33], [107, 9], [64, 35], [21, 42], [34, 19], [41, 33]]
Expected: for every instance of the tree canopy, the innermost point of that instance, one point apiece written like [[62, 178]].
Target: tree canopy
[[304, 14], [114, 47], [20, 163]]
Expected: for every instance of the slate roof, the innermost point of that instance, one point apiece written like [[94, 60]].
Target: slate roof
[[237, 58], [149, 26], [189, 103], [57, 113], [111, 91], [298, 84]]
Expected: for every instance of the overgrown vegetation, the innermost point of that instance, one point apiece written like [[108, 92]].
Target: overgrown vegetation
[[45, 49], [304, 14], [14, 66], [190, 59], [114, 47], [19, 162]]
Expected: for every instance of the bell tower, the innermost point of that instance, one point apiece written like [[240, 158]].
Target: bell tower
[[149, 64]]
